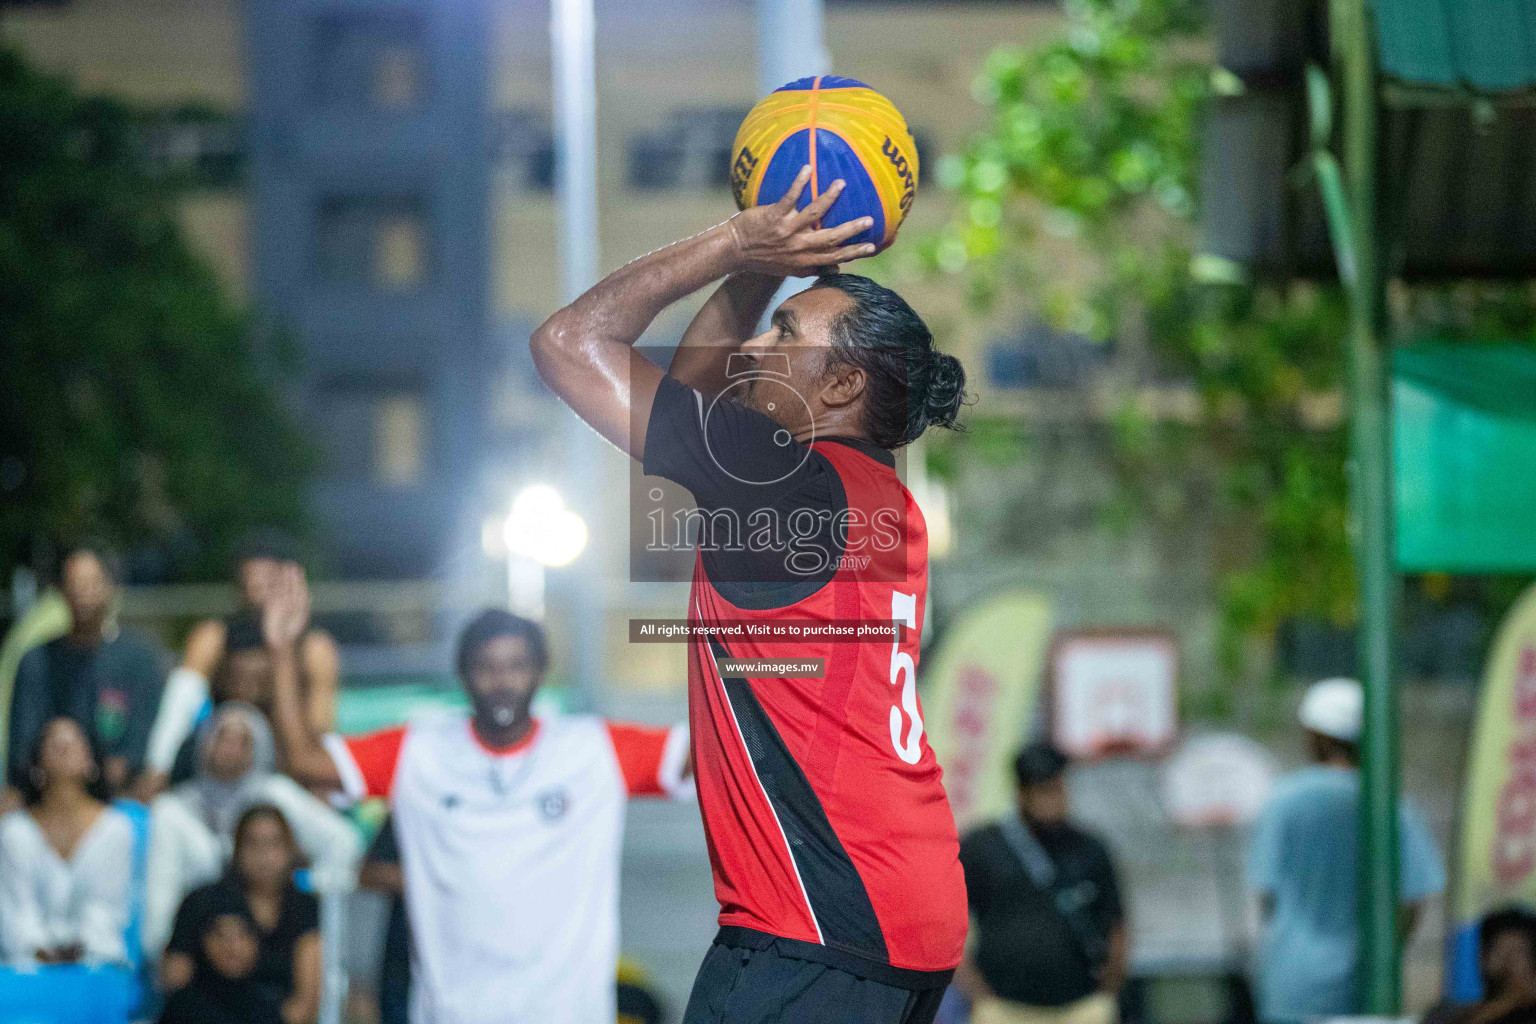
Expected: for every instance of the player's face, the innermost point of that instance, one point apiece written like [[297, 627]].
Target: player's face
[[87, 589], [255, 576], [65, 753], [230, 946], [231, 751], [798, 338], [247, 676], [503, 677], [264, 856], [1045, 803]]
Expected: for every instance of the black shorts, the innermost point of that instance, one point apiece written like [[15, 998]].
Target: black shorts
[[760, 983]]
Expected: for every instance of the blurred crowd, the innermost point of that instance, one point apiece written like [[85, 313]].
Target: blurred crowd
[[155, 825], [149, 824], [169, 834]]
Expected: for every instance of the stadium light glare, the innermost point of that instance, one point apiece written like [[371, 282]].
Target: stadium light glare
[[540, 527]]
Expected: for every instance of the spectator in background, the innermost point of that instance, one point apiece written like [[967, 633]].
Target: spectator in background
[[192, 826], [232, 648], [223, 989], [510, 826], [1506, 954], [104, 676], [1300, 866], [259, 885], [1049, 938], [42, 620], [244, 674], [64, 860], [381, 873]]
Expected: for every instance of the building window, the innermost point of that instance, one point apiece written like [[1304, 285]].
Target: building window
[[372, 60], [378, 241], [1041, 356], [523, 143], [194, 146], [400, 431], [692, 151], [396, 79], [374, 431]]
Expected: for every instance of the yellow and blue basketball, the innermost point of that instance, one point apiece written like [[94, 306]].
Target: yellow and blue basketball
[[843, 129]]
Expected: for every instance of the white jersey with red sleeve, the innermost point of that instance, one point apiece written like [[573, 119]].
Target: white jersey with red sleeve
[[511, 858]]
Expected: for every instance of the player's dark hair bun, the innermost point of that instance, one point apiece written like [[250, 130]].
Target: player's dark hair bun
[[911, 386], [935, 392]]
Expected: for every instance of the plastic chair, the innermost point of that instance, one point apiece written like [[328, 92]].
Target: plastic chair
[[68, 995]]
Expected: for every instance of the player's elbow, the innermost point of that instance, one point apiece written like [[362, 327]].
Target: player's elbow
[[314, 769], [552, 341]]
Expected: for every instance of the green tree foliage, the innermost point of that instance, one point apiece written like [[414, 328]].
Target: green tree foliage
[[1092, 152], [1093, 149], [136, 405]]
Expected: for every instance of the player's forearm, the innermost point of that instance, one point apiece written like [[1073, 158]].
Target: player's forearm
[[321, 667], [186, 691], [304, 756], [303, 1007], [1112, 980], [381, 876], [618, 309], [730, 317]]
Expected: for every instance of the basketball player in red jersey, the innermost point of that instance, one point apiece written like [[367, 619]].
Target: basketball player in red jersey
[[835, 858]]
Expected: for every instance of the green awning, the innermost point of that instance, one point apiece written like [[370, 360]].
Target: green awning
[[1499, 380], [1464, 440], [1482, 45]]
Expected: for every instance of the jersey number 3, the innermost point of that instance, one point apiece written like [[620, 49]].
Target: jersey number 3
[[904, 673]]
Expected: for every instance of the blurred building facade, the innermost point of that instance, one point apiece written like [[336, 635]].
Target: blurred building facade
[[377, 182], [367, 182]]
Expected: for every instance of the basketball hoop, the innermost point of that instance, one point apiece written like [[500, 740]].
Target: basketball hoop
[[1113, 692]]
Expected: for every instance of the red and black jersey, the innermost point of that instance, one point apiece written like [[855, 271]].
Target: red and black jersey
[[824, 806]]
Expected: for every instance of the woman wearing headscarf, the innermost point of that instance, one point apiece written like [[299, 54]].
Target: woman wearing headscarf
[[192, 825]]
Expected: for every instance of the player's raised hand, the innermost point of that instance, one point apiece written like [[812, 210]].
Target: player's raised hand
[[285, 613], [782, 240]]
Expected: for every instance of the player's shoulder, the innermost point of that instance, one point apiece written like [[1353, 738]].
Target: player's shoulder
[[563, 729], [1089, 845], [1305, 785], [16, 827], [132, 638], [587, 737], [431, 726], [980, 839]]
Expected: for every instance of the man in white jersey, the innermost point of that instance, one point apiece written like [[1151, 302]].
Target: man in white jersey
[[509, 826]]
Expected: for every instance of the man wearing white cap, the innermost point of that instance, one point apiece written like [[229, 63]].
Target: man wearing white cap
[[1302, 867]]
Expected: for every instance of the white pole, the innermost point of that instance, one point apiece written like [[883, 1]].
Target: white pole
[[790, 44], [525, 586], [334, 980], [573, 31], [573, 34]]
